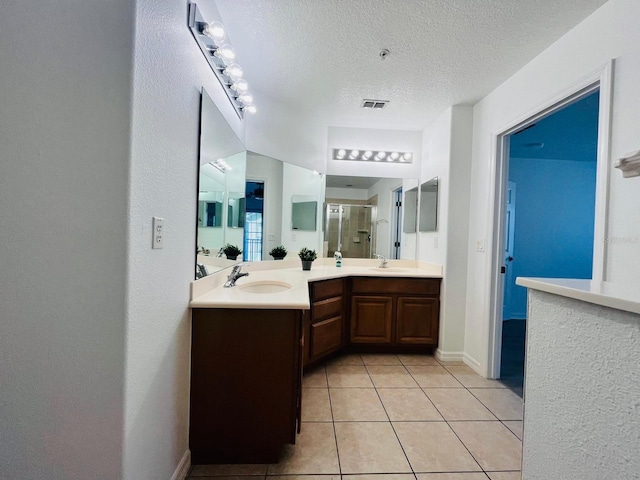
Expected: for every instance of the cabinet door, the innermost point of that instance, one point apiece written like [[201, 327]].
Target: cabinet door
[[371, 318], [417, 320], [325, 337]]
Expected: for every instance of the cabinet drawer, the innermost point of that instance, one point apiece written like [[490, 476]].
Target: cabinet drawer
[[326, 289], [390, 285], [326, 336], [331, 307]]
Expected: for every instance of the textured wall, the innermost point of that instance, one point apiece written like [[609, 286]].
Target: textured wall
[[582, 399]]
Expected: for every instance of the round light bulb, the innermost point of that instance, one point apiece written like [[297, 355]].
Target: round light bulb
[[233, 71], [214, 30], [341, 153], [250, 109], [407, 156], [380, 156], [394, 156], [354, 154], [246, 98], [225, 53], [367, 155], [240, 86]]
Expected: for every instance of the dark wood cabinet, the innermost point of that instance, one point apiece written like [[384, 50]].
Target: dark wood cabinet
[[324, 326], [246, 369], [417, 320], [371, 319]]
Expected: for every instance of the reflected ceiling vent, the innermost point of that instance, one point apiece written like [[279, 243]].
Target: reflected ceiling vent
[[367, 103]]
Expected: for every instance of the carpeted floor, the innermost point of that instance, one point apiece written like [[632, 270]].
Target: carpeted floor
[[512, 361]]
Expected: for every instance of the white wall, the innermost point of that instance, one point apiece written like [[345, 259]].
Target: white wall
[[64, 131], [581, 416], [611, 32], [268, 170], [374, 139], [347, 193], [448, 156], [169, 73]]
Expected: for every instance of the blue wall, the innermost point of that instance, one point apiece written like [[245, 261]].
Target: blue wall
[[555, 203]]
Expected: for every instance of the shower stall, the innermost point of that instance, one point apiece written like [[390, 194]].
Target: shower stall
[[350, 230]]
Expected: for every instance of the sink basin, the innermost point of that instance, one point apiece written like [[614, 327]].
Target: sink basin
[[388, 269], [264, 286]]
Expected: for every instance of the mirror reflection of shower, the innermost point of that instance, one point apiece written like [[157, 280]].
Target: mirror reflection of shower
[[350, 229]]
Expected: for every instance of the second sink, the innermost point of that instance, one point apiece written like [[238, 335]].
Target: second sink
[[264, 286]]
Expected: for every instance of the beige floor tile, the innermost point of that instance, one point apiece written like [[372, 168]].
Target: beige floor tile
[[515, 427], [433, 447], [471, 379], [303, 477], [504, 475], [227, 470], [348, 376], [408, 404], [357, 404], [315, 378], [452, 476], [229, 477], [314, 452], [458, 404], [502, 402], [315, 405], [370, 447], [381, 476], [380, 359], [348, 359], [432, 376], [418, 359], [491, 443], [391, 376]]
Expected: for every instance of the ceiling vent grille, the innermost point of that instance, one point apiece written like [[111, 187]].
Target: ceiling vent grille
[[367, 103]]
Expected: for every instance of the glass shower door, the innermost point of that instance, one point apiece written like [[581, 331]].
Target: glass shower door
[[349, 229]]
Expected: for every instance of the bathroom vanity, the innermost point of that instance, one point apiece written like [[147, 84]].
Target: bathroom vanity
[[251, 342]]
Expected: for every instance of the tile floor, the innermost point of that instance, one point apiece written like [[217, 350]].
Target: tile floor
[[396, 417]]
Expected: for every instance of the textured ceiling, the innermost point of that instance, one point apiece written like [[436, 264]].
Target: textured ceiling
[[320, 57]]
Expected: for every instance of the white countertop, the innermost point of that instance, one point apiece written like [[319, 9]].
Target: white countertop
[[209, 292], [614, 295]]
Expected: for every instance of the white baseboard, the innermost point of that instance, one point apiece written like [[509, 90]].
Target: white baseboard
[[474, 364], [183, 467], [449, 356]]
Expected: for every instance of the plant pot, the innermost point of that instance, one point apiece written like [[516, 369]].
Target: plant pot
[[306, 264], [278, 258], [232, 257]]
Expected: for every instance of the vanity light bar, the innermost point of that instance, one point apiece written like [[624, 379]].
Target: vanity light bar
[[210, 37], [221, 165], [353, 154]]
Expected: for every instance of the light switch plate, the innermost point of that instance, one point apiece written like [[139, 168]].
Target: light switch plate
[[158, 232], [479, 244]]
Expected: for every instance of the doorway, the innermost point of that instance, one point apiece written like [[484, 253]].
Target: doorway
[[254, 221], [596, 89], [396, 233]]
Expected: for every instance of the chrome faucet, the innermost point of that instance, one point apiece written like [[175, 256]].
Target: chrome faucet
[[234, 276], [201, 271], [383, 261], [220, 252]]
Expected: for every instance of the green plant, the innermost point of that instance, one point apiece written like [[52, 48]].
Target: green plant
[[279, 251], [231, 250], [307, 255]]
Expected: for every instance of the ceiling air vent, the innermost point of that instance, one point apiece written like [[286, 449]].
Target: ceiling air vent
[[366, 103]]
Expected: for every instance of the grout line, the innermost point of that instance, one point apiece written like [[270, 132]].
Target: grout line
[[333, 424]]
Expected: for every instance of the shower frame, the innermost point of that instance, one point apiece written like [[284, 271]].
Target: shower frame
[[373, 221]]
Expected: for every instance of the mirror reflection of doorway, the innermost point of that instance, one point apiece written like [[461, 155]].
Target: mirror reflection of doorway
[[254, 219], [349, 229]]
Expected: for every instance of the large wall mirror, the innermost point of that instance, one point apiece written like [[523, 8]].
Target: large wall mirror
[[429, 206], [255, 203]]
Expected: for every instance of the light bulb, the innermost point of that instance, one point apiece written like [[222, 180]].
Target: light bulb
[[367, 155], [240, 86], [354, 154], [341, 153], [394, 156], [233, 71], [380, 156], [214, 30], [246, 98], [250, 108], [225, 53], [407, 156]]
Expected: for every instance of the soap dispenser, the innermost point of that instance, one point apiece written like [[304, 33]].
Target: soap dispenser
[[338, 257]]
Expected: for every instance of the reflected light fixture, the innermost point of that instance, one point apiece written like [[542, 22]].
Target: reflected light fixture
[[221, 165], [372, 155], [211, 37]]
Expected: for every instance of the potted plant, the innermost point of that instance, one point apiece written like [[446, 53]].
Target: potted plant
[[279, 252], [307, 256], [231, 251]]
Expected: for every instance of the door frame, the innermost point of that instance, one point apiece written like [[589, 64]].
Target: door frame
[[602, 80]]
